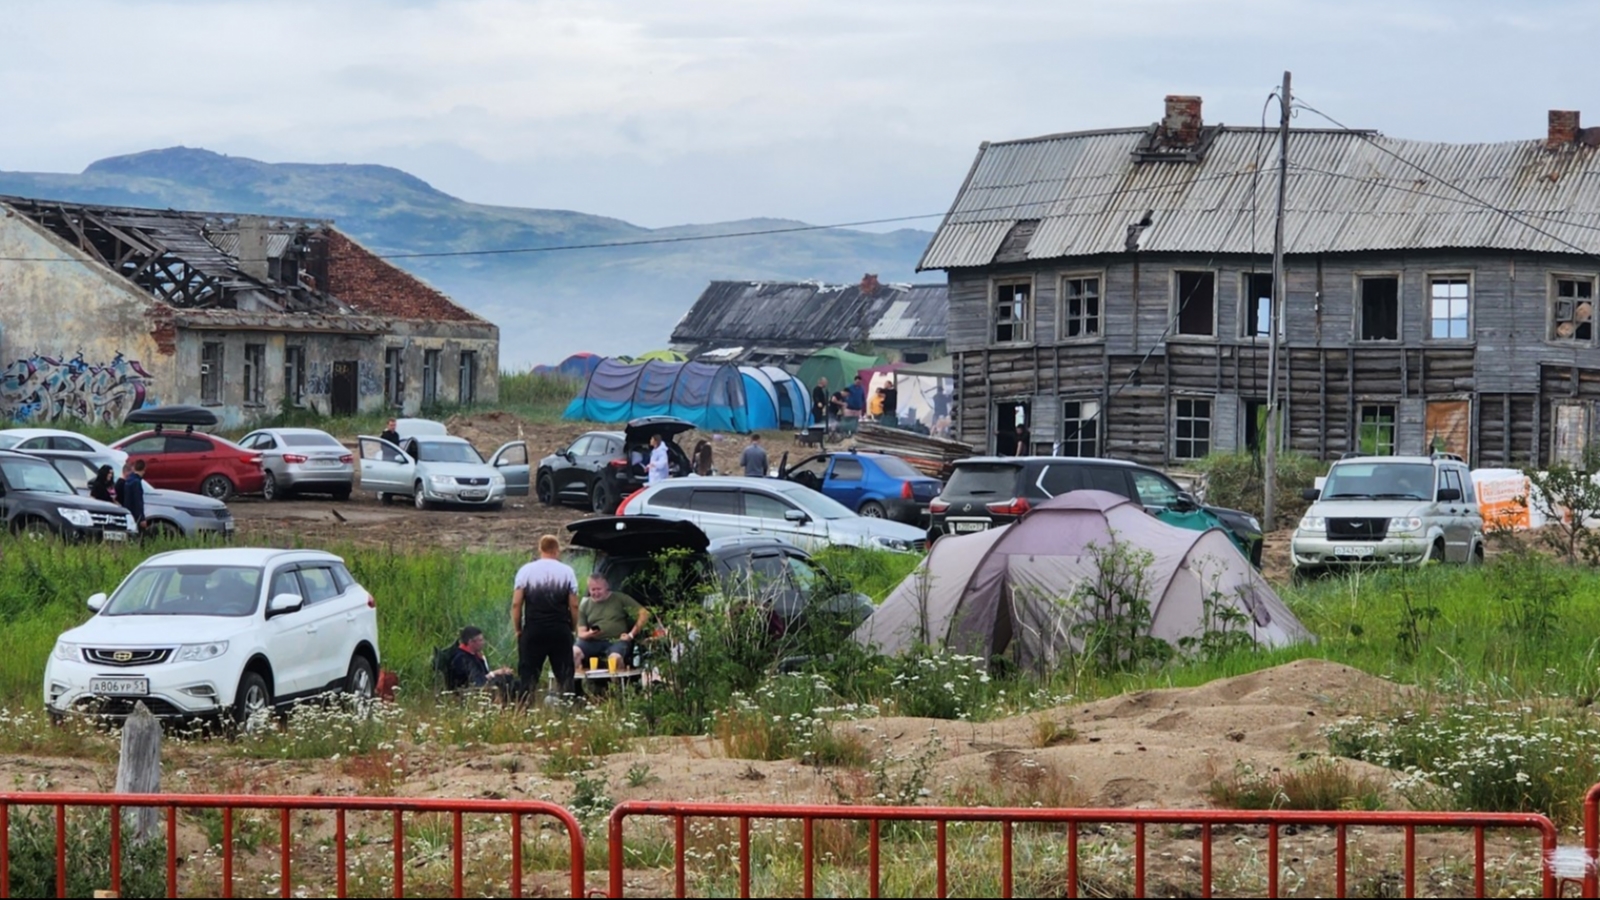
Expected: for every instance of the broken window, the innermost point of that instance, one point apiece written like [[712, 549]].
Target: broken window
[[1080, 313], [1572, 309], [294, 374], [1080, 428], [1380, 309], [1191, 421], [1448, 307], [1375, 436], [1012, 304], [255, 364], [1255, 319], [211, 373], [1196, 303], [430, 377], [469, 377], [394, 388]]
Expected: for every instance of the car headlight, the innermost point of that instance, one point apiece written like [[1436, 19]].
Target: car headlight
[[1253, 522], [1404, 524], [497, 479], [130, 523], [442, 481], [78, 517], [201, 652], [890, 543], [1313, 523], [66, 651]]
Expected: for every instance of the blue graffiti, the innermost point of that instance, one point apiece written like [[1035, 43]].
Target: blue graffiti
[[51, 388]]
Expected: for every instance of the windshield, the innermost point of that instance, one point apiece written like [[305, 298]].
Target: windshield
[[78, 473], [895, 467], [311, 440], [7, 441], [34, 475], [1379, 481], [997, 480], [193, 590], [819, 506], [447, 451]]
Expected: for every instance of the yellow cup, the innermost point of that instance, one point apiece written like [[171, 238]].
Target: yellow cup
[[611, 663], [594, 663]]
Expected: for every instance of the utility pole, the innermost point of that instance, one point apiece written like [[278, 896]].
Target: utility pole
[[1275, 323]]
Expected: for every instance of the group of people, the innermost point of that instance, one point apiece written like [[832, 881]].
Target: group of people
[[552, 625], [126, 491], [842, 409]]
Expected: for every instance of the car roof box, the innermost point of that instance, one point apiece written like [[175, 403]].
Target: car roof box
[[637, 535], [191, 417]]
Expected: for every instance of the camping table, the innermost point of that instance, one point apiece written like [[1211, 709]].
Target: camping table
[[602, 678]]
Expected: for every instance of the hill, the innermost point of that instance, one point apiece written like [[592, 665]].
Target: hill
[[547, 304]]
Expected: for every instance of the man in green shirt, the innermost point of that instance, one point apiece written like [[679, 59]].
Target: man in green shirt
[[608, 622]]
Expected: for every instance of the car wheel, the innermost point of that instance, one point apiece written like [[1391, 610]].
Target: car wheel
[[419, 497], [343, 494], [269, 487], [1475, 558], [252, 702], [164, 530], [1435, 553], [872, 509], [217, 487], [386, 499], [602, 500], [360, 683], [547, 489], [33, 529]]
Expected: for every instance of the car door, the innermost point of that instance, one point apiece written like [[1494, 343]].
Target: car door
[[511, 461], [810, 472], [271, 454], [149, 448], [385, 468], [719, 511], [567, 474], [325, 620], [1458, 524], [184, 462], [286, 637], [768, 514], [846, 481]]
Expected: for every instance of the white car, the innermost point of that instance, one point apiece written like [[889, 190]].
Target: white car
[[726, 506], [433, 469], [55, 439], [232, 632]]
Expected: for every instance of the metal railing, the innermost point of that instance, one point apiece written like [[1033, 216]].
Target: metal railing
[[117, 804], [1139, 819]]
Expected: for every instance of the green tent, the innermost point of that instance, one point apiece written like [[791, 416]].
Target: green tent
[[662, 355], [838, 366]]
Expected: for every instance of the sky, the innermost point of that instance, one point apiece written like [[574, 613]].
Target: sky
[[693, 111]]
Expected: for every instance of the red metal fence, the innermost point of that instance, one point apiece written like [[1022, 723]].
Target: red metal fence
[[1139, 819], [116, 804]]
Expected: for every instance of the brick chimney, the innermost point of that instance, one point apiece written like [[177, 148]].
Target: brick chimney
[[869, 284], [1182, 124], [1564, 129]]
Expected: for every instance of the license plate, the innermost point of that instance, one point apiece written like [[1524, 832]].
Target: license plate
[[962, 527], [324, 464], [139, 686], [1358, 552], [227, 525], [474, 495], [112, 535]]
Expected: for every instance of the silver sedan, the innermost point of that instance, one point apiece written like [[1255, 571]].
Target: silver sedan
[[302, 460]]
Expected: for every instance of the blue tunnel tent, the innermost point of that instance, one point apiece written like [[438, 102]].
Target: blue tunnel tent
[[774, 399], [710, 395]]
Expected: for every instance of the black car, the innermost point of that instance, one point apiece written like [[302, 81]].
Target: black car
[[988, 491], [36, 500], [662, 562], [601, 468]]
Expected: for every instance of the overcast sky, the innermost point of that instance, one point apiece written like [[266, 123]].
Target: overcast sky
[[666, 112]]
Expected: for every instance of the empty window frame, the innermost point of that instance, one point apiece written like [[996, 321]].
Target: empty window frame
[[1195, 303], [469, 377], [1080, 307], [294, 374], [1375, 429], [430, 377], [211, 373], [1449, 307], [1013, 308], [1378, 308], [255, 370], [1191, 427], [1572, 308], [1255, 312], [1080, 428], [394, 385]]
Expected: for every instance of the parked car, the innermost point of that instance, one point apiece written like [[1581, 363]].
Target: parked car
[[876, 485], [434, 469], [58, 441], [600, 468], [1401, 510], [628, 551], [989, 491], [195, 462], [172, 513], [232, 632], [732, 506], [301, 460], [36, 501]]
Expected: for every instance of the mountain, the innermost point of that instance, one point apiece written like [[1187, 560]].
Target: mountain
[[547, 304]]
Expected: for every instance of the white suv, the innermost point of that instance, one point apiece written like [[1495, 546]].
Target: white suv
[[233, 631]]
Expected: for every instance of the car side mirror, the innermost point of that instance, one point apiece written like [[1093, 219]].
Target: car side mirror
[[567, 455], [1449, 495], [796, 515], [1310, 494], [1185, 502], [284, 603], [97, 601]]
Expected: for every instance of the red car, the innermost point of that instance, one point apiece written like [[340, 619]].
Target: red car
[[197, 463]]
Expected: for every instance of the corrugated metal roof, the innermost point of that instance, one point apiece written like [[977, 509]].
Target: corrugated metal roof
[[752, 313], [228, 242], [1347, 191]]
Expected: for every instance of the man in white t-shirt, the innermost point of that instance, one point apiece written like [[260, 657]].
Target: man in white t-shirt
[[544, 615], [660, 468]]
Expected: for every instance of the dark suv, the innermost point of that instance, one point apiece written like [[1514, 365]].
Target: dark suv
[[601, 468], [36, 500], [989, 491]]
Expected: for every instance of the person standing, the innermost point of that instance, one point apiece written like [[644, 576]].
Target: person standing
[[819, 402], [103, 485], [390, 434], [754, 458], [131, 495], [891, 404], [855, 399], [660, 468], [544, 616]]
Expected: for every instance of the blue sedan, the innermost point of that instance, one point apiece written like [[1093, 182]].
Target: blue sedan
[[872, 484]]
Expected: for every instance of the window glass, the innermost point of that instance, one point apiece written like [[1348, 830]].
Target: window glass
[[188, 590], [846, 469], [286, 582], [1154, 490], [721, 502], [895, 467], [1191, 428], [1572, 310], [1449, 298], [62, 442], [342, 577], [1081, 307], [320, 584], [77, 472], [35, 443], [1060, 479], [764, 506], [182, 443], [515, 455], [1449, 479], [447, 451], [309, 439], [24, 474], [1012, 312], [1468, 494], [803, 574], [151, 444], [1105, 478], [815, 466], [580, 447], [672, 497]]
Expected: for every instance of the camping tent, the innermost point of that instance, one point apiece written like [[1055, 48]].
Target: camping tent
[[576, 366], [774, 399], [838, 366], [1008, 591], [709, 395], [661, 356], [926, 390]]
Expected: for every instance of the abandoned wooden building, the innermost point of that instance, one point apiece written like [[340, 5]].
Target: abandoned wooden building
[[1111, 289], [105, 310]]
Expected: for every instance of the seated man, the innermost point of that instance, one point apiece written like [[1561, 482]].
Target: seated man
[[608, 622], [468, 668]]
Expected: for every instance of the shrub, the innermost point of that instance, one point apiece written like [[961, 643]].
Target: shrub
[[1237, 481], [1320, 783], [936, 685], [33, 857]]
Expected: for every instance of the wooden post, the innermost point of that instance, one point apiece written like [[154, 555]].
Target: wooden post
[[139, 770]]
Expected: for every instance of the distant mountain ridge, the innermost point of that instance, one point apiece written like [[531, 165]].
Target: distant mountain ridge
[[547, 304]]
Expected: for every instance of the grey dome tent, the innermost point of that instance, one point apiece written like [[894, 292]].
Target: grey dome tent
[[1008, 591]]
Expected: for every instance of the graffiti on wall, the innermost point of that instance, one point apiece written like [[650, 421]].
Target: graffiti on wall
[[319, 380], [50, 388]]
